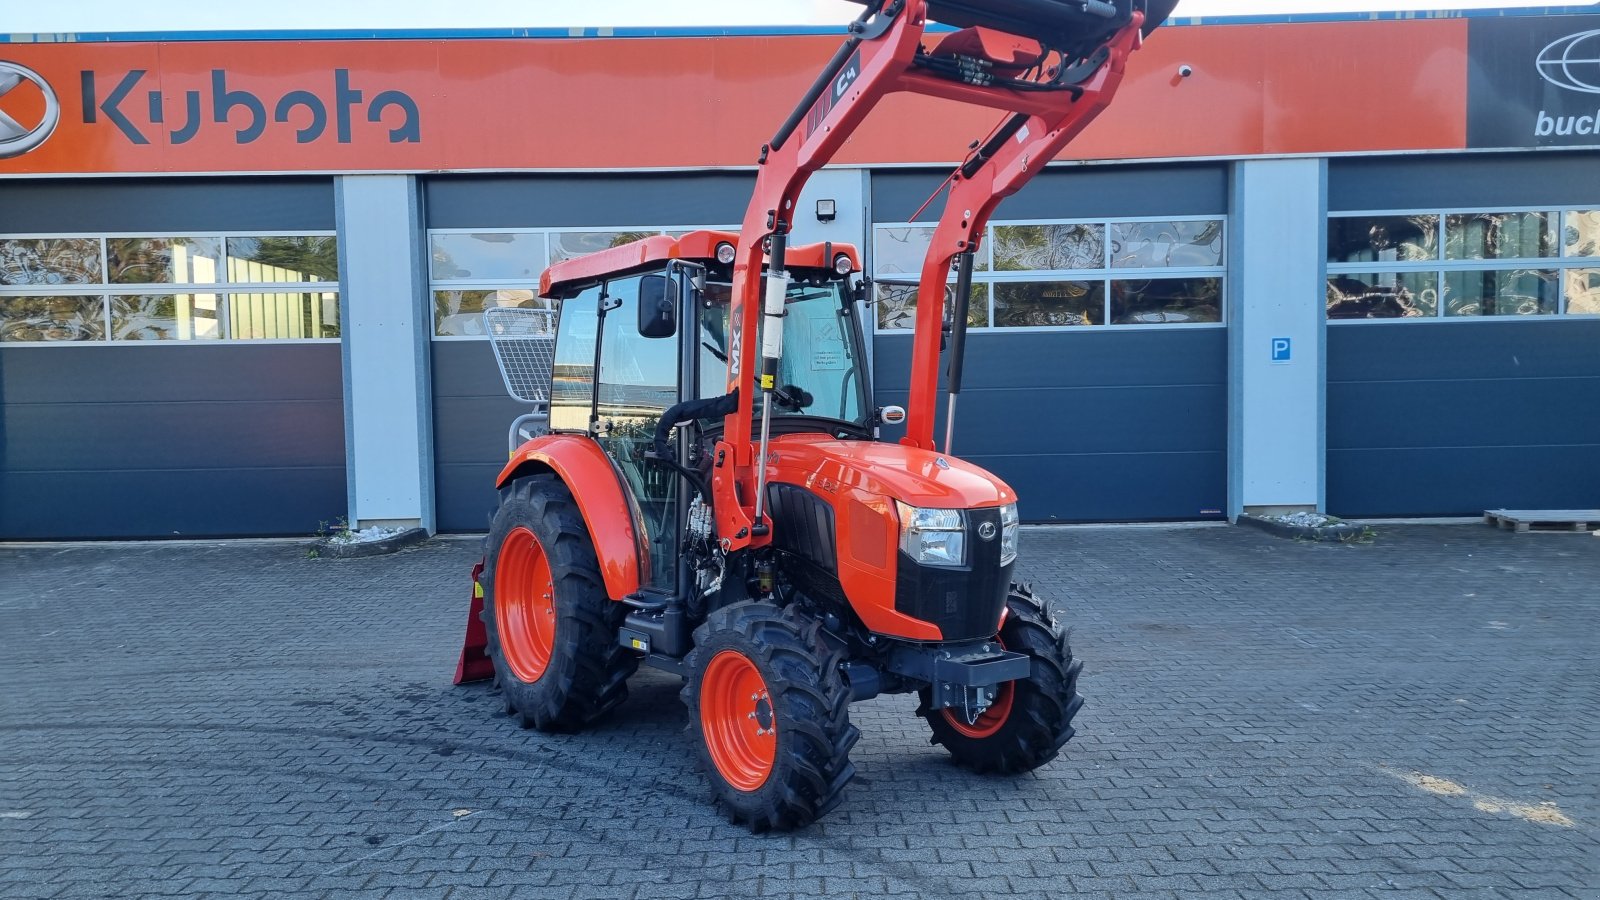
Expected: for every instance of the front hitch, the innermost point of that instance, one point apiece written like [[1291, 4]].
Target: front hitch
[[963, 677]]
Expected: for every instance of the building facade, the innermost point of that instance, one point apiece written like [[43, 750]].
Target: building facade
[[1348, 265]]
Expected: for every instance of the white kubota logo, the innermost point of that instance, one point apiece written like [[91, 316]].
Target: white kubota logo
[[1573, 62], [15, 137]]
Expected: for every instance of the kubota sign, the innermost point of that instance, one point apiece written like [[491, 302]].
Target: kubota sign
[[249, 114], [703, 102]]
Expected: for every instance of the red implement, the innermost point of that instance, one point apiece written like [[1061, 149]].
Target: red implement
[[474, 663]]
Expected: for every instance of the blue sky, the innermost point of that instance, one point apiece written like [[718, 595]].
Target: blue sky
[[120, 15]]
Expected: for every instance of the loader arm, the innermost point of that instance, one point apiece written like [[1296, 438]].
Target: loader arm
[[1003, 61]]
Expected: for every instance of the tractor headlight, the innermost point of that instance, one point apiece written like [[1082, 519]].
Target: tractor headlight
[[1010, 527], [933, 537]]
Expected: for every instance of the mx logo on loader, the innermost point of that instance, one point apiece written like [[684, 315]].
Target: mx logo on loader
[[16, 137]]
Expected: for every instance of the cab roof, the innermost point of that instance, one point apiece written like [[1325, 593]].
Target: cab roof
[[568, 276]]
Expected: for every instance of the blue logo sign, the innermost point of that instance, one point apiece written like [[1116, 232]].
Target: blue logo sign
[[1280, 350]]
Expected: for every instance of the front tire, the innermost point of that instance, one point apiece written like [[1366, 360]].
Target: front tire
[[552, 631], [770, 710], [1031, 718]]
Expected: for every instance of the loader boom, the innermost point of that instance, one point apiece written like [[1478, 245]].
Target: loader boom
[[1050, 93]]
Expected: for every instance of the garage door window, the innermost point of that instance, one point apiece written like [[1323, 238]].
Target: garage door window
[[1064, 275], [471, 270], [162, 288], [1463, 264]]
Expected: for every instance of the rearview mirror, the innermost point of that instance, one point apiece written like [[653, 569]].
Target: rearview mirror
[[658, 306]]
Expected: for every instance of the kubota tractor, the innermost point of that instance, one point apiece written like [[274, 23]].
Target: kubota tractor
[[711, 497]]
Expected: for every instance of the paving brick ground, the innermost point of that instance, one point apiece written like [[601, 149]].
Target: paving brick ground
[[1413, 718]]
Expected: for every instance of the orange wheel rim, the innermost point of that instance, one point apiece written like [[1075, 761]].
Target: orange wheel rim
[[738, 720], [991, 719], [524, 605]]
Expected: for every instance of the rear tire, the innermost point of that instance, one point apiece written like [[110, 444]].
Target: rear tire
[[552, 631], [1031, 718], [770, 710]]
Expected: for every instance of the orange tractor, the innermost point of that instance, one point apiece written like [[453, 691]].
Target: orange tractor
[[711, 498]]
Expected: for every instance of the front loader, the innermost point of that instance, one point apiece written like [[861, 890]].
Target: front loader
[[712, 498]]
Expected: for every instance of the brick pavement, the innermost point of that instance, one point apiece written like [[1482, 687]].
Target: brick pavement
[[1411, 718]]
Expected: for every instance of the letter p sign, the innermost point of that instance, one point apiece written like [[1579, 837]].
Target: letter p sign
[[1280, 350]]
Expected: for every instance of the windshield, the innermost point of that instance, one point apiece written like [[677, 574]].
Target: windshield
[[822, 370]]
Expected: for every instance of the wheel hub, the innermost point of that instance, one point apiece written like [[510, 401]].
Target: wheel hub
[[738, 721]]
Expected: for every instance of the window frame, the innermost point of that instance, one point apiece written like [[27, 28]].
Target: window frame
[[1560, 263], [1106, 275], [223, 288]]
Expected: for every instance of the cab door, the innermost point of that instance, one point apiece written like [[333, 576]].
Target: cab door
[[638, 381]]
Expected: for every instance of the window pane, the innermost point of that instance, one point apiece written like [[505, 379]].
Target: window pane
[[1515, 292], [461, 312], [1020, 248], [1383, 238], [164, 317], [1583, 292], [180, 260], [1516, 235], [1582, 233], [579, 243], [1020, 304], [1385, 295], [572, 376], [52, 318], [901, 251], [276, 260], [897, 306], [519, 255], [1166, 301], [1142, 245], [50, 261], [283, 316]]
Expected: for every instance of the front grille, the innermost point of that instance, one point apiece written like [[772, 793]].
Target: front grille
[[965, 602]]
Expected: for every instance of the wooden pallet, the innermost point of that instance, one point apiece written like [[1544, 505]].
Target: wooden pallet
[[1544, 519]]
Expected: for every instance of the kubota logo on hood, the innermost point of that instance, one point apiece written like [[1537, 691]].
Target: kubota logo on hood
[[19, 136], [1573, 62]]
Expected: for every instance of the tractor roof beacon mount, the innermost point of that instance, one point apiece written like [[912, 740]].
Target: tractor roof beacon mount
[[1052, 66]]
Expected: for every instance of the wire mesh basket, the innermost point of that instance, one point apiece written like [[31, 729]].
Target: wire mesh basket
[[524, 342]]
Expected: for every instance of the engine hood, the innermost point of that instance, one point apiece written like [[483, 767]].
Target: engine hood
[[915, 476]]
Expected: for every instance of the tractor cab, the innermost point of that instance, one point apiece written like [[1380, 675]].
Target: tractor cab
[[643, 338]]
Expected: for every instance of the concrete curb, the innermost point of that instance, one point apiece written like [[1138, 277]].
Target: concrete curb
[[328, 549], [1336, 532]]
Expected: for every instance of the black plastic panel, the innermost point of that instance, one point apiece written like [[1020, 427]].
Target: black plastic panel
[[964, 602], [170, 441], [1453, 418], [803, 524]]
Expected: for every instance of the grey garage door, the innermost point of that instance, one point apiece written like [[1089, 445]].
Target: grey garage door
[[143, 392], [1462, 365], [1097, 386], [509, 225]]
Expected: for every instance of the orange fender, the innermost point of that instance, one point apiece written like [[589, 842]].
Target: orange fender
[[579, 462]]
